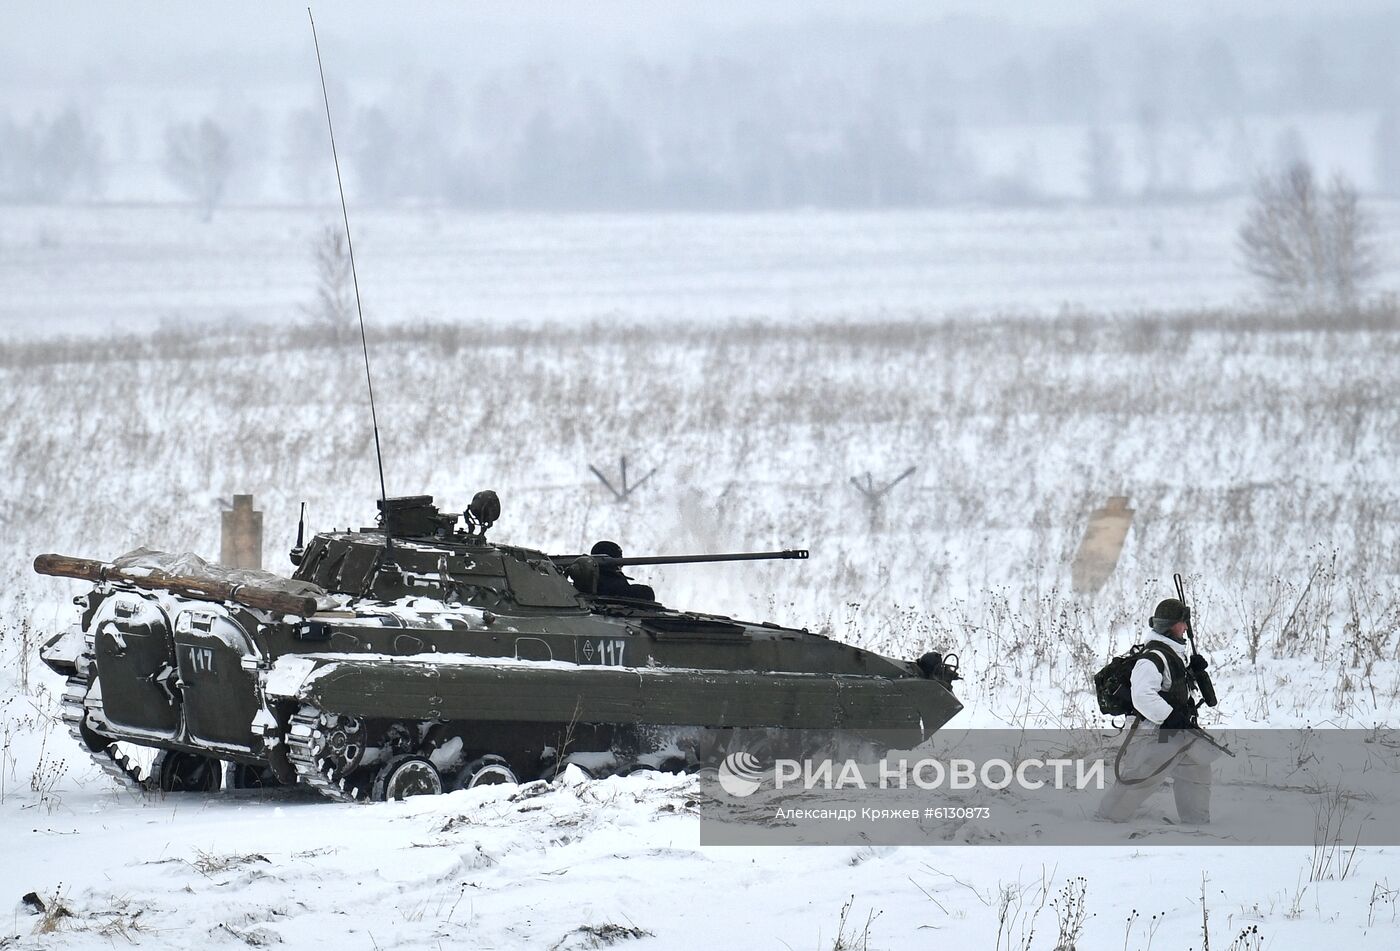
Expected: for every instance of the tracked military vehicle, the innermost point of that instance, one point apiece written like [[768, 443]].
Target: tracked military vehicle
[[416, 657]]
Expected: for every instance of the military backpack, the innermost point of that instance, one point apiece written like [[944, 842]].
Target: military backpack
[[1113, 684]]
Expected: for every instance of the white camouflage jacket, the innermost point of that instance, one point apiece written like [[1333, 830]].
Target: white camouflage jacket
[[1146, 681]]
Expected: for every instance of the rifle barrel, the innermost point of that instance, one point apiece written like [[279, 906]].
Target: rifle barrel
[[1197, 731], [1203, 681]]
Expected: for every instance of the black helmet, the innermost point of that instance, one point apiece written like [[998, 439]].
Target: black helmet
[[1168, 613], [607, 549]]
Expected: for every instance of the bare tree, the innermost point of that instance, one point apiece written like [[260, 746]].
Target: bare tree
[[1351, 249], [1150, 147], [50, 160], [1103, 166], [16, 146], [199, 160], [1308, 246], [68, 157], [334, 307], [306, 156], [1386, 143]]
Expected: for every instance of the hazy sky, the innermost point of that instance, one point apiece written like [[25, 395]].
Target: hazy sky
[[681, 96], [58, 41]]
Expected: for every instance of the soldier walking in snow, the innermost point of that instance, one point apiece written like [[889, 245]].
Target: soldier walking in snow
[[1165, 693]]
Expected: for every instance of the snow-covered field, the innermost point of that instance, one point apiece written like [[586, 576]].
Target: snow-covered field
[[117, 267], [1258, 452]]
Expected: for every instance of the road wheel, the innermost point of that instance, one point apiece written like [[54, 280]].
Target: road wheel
[[404, 776], [187, 772], [489, 770], [247, 776]]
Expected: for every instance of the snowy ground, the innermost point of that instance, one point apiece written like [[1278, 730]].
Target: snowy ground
[[1258, 453], [501, 868]]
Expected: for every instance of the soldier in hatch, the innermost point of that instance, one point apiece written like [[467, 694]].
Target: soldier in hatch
[[612, 583]]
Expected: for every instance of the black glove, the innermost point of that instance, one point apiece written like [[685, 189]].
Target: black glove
[[1198, 663], [1181, 718]]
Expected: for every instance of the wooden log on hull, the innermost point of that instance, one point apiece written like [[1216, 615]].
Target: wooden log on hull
[[202, 589]]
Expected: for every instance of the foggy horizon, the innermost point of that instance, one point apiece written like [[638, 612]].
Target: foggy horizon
[[699, 107]]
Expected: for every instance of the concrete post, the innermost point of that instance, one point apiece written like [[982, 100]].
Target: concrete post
[[242, 535], [1103, 543]]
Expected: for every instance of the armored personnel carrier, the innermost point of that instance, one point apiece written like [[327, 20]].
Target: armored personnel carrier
[[416, 657]]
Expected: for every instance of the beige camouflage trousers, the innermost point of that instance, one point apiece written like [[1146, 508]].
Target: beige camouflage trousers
[[1189, 762]]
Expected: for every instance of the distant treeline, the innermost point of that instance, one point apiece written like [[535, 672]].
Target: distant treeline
[[757, 128], [51, 158]]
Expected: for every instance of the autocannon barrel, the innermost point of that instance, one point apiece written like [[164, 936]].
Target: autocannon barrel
[[605, 561], [204, 589]]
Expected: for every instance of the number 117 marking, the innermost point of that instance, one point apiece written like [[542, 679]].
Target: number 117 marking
[[609, 651]]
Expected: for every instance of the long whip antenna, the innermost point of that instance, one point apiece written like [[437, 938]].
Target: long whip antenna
[[355, 278]]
